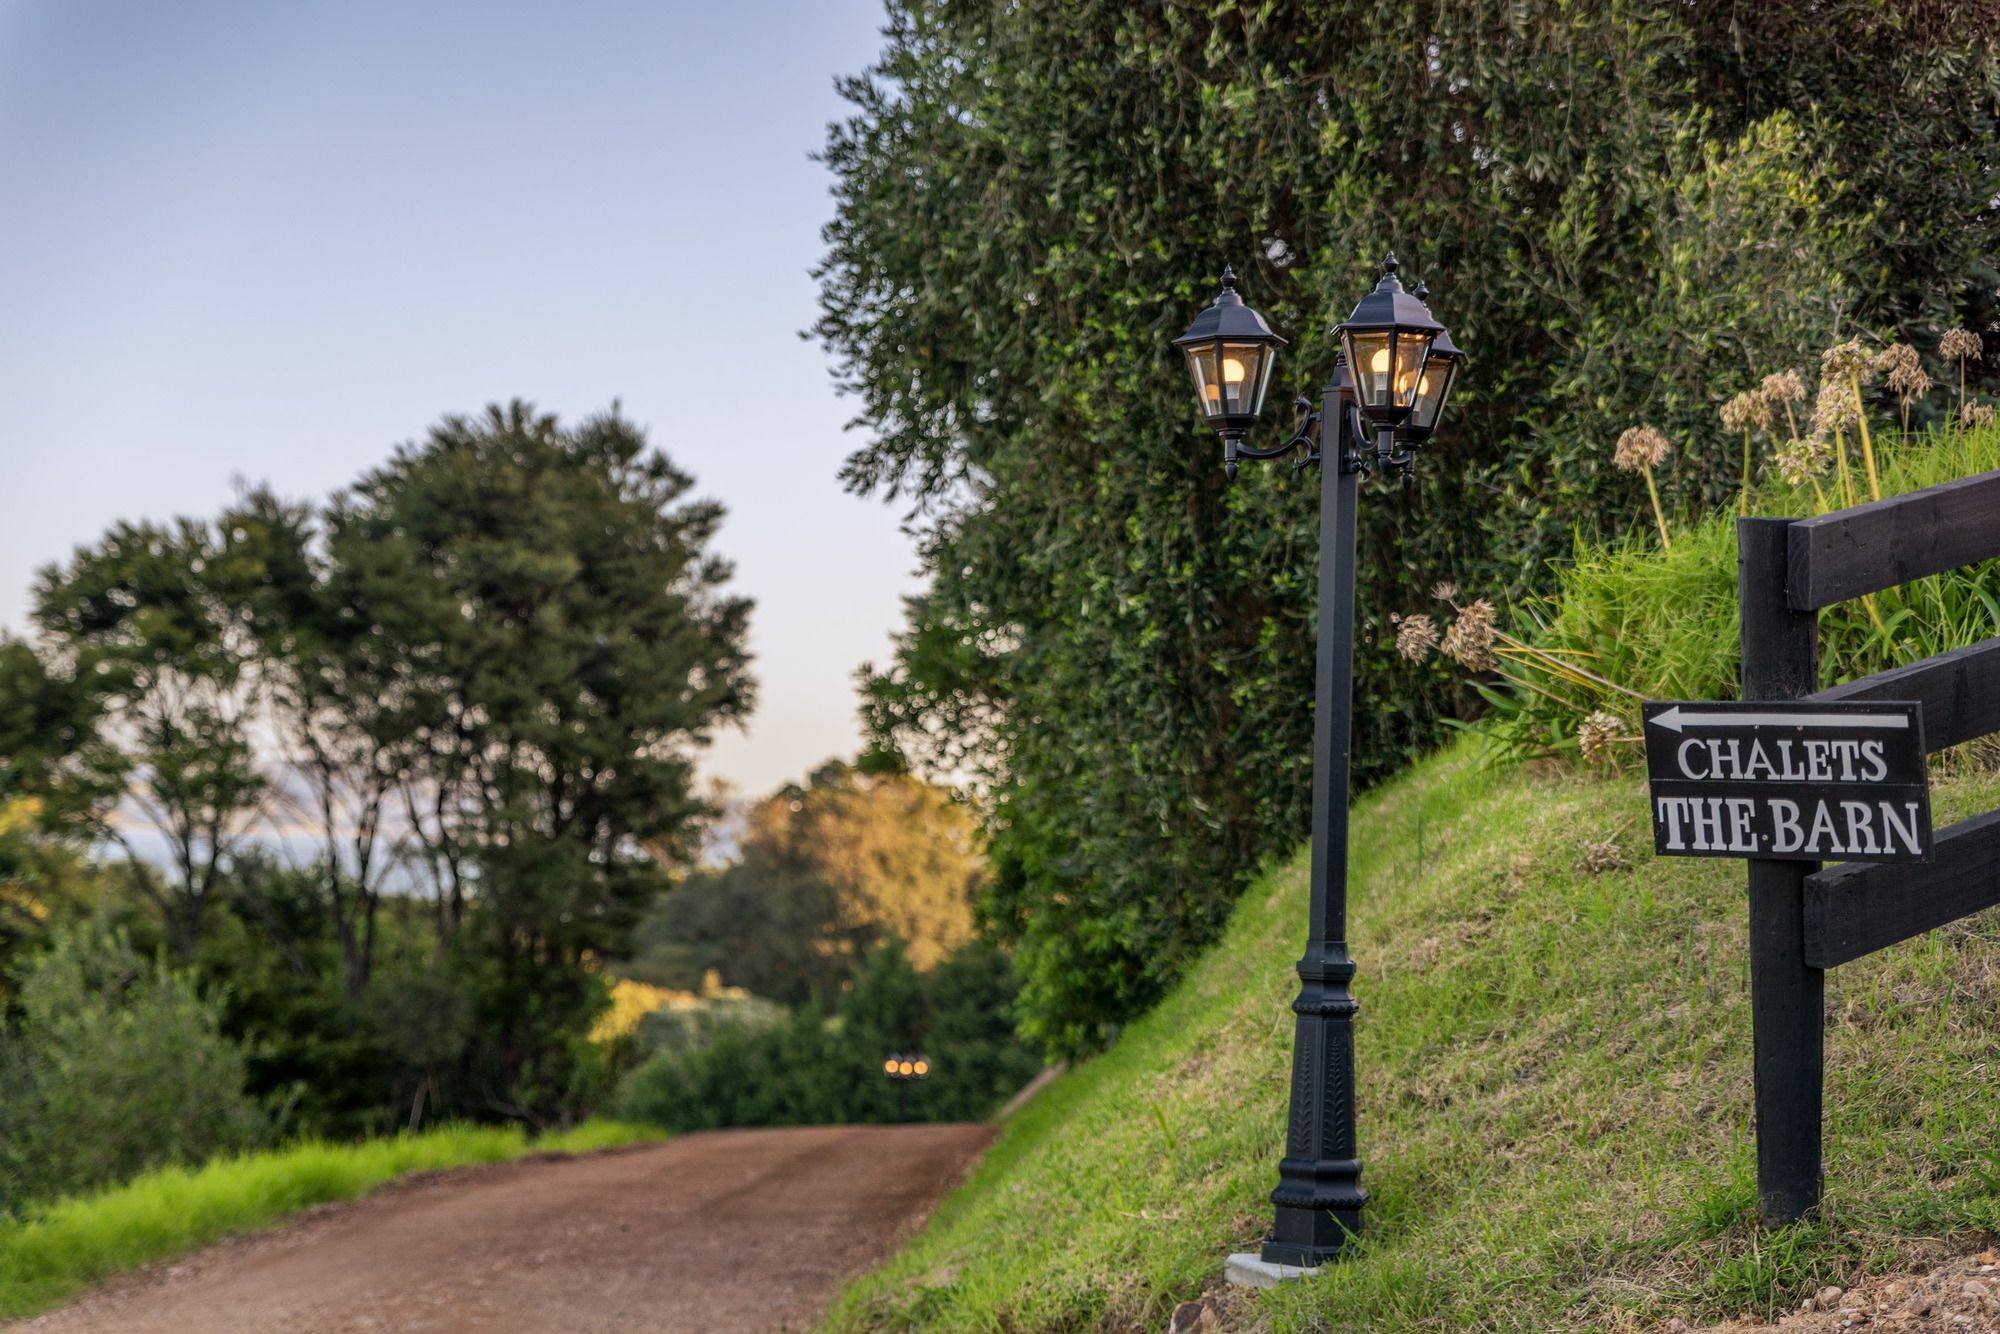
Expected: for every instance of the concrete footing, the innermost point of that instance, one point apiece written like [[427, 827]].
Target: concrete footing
[[1247, 1269]]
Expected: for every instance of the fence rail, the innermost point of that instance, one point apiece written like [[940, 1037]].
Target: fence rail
[[1805, 920], [1884, 543]]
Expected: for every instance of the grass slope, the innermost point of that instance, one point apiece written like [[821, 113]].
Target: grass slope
[[1554, 1070], [62, 1249]]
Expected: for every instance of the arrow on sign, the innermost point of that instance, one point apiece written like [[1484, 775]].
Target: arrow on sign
[[1676, 718]]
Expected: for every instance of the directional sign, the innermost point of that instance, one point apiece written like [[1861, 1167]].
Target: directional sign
[[1789, 781]]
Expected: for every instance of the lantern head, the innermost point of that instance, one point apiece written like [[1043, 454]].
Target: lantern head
[[1388, 341], [1230, 352]]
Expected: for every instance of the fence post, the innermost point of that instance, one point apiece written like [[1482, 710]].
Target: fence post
[[1787, 998]]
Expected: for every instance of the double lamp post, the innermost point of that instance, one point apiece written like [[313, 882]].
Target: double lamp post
[[1388, 390]]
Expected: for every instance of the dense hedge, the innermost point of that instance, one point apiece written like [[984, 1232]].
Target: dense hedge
[[1623, 210]]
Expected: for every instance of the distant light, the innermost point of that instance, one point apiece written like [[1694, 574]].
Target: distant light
[[923, 1067], [907, 1068], [889, 1066]]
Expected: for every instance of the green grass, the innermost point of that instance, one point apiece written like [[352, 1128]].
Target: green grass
[[1554, 1085], [1664, 624], [63, 1248]]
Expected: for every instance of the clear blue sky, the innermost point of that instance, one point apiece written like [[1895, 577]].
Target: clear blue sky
[[272, 240]]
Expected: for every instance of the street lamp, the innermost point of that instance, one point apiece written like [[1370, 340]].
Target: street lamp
[[905, 1070], [1394, 374]]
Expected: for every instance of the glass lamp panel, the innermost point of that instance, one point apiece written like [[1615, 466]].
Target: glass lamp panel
[[1246, 367], [1202, 367], [1370, 358], [1432, 389], [1411, 352]]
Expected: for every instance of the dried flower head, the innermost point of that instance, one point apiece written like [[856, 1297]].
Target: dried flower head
[[1595, 735], [1446, 591], [1469, 642], [1908, 382], [1975, 413], [1748, 411], [1784, 387], [1641, 447], [1896, 357], [1803, 460], [1961, 345], [1837, 409], [1416, 636], [1905, 370], [1849, 360]]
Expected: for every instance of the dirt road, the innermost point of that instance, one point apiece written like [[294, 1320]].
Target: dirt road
[[737, 1230]]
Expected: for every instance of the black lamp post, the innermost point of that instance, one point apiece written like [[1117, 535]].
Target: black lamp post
[[1395, 372]]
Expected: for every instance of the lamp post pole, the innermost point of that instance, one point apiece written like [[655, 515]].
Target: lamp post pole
[[1319, 1195], [1396, 371]]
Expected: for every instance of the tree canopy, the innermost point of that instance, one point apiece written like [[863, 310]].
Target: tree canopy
[[1625, 212]]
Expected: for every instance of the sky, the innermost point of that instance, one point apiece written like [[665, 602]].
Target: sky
[[271, 241]]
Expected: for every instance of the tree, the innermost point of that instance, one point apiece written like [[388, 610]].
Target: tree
[[344, 747], [550, 642], [825, 873], [144, 627], [1032, 201]]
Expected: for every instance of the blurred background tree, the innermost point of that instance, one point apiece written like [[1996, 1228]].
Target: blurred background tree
[[824, 873]]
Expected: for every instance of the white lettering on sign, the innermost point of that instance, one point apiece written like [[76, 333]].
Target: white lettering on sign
[[1830, 829], [1717, 758]]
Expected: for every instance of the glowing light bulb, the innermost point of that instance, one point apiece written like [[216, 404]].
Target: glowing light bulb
[[907, 1068], [889, 1066], [923, 1067], [1232, 371], [1379, 363]]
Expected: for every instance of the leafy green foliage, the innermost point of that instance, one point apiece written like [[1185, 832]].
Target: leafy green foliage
[[117, 1064], [484, 669], [814, 1069], [144, 622], [1663, 624], [1621, 210]]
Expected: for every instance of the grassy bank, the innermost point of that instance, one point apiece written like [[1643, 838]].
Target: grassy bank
[[1554, 1057], [60, 1250]]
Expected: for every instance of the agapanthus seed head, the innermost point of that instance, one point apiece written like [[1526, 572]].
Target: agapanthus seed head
[[1803, 460], [1975, 413], [1848, 360], [1908, 382], [1836, 409], [1639, 448], [1748, 411], [1596, 734], [1784, 387], [1416, 636], [1961, 345], [1469, 642], [1896, 357], [1446, 591]]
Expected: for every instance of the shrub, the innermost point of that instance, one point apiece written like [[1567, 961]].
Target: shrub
[[118, 1064]]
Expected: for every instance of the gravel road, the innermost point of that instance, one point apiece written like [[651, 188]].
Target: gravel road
[[736, 1230]]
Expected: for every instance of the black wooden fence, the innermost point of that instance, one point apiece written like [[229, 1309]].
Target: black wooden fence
[[1804, 920]]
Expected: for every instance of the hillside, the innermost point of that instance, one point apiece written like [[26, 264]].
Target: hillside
[[1554, 1070]]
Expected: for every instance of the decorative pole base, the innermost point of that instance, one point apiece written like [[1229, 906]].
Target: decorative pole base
[[1319, 1196]]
